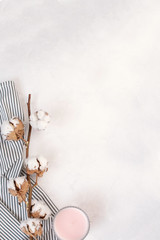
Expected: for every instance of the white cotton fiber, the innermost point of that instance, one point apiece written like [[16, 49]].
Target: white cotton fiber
[[34, 163], [31, 163], [14, 121], [39, 120], [33, 223], [19, 181], [41, 208], [43, 162], [6, 128], [11, 184], [40, 114]]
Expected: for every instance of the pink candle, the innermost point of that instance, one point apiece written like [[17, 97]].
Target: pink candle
[[71, 223]]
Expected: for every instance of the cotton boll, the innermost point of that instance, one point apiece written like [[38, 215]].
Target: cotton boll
[[11, 184], [33, 124], [6, 129], [33, 120], [43, 162], [41, 125], [40, 114], [18, 187], [33, 117], [32, 227], [31, 163], [20, 181], [12, 129], [37, 165], [32, 223], [14, 121], [16, 182], [40, 210], [47, 118], [39, 120]]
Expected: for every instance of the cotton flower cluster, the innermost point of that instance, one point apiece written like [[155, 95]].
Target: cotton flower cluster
[[39, 120], [13, 129], [40, 210], [32, 227], [37, 165], [18, 187]]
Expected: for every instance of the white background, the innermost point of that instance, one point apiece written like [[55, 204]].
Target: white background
[[94, 66]]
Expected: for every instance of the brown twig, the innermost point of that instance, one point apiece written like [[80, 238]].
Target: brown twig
[[27, 154], [30, 127], [36, 181]]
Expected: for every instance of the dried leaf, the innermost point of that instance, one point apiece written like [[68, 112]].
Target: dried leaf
[[13, 129], [19, 191]]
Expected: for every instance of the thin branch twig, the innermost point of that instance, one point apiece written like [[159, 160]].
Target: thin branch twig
[[27, 154], [36, 181], [30, 127]]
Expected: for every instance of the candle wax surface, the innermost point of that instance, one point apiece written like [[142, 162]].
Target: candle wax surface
[[71, 224]]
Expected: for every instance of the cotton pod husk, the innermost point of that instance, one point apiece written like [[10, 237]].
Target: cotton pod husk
[[37, 165], [18, 187], [12, 129], [39, 209]]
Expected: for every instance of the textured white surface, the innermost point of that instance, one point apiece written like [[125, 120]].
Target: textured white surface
[[93, 65]]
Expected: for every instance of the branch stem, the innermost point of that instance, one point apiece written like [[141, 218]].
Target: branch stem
[[36, 181], [30, 127], [27, 154]]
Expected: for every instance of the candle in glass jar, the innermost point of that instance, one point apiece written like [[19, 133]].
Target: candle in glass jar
[[71, 223]]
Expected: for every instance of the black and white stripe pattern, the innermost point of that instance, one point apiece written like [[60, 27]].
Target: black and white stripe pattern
[[10, 151], [11, 160]]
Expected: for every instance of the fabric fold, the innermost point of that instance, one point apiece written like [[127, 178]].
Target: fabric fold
[[9, 225], [10, 151], [11, 162]]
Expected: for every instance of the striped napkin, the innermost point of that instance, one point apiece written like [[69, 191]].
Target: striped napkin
[[11, 161]]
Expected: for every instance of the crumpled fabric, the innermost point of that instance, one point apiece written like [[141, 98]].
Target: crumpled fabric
[[11, 166]]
